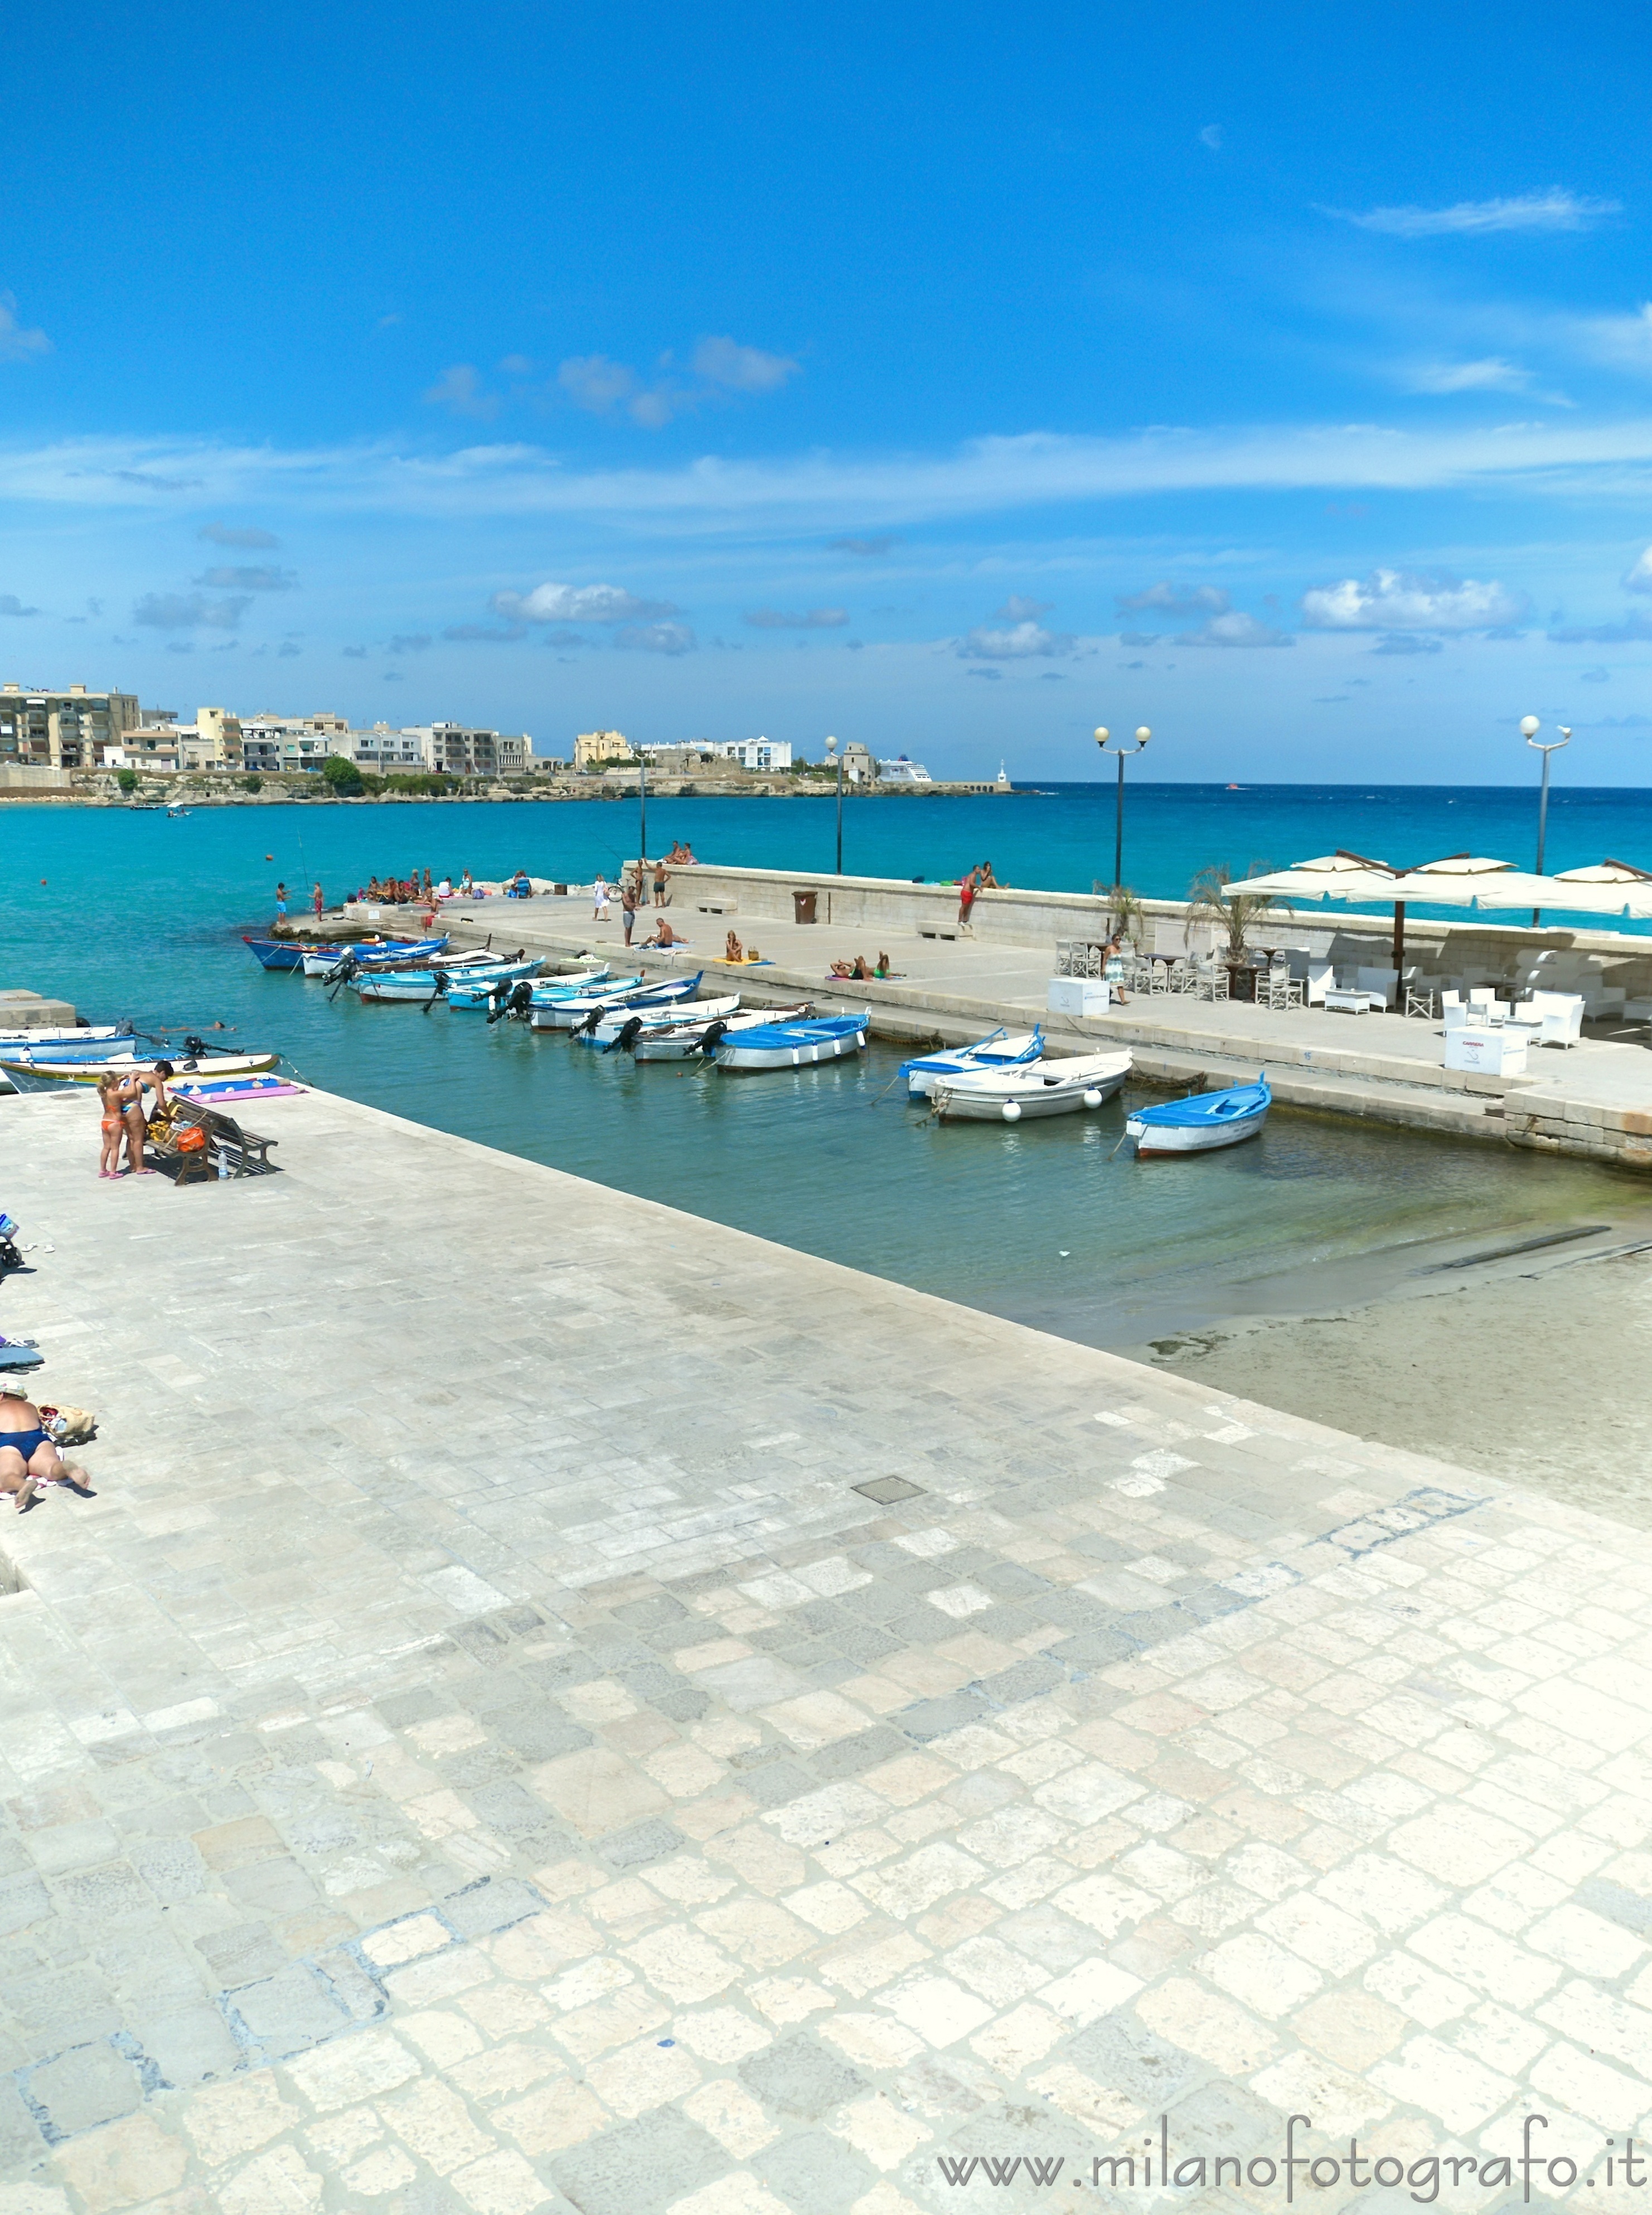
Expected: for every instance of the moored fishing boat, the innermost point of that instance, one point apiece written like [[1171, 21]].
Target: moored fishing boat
[[1207, 1120], [1000, 1049], [465, 994], [435, 983], [567, 1014], [89, 1072], [275, 952], [1037, 1088], [793, 1046], [671, 1016], [687, 1040], [68, 1034]]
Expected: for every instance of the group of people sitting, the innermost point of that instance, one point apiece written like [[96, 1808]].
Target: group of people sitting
[[406, 891], [682, 856], [859, 971]]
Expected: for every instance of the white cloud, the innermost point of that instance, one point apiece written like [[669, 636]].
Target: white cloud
[[867, 549], [190, 611], [17, 344], [1026, 641], [1618, 342], [657, 638], [1236, 629], [249, 580], [459, 391], [592, 381], [1398, 600], [562, 603], [1553, 211], [1492, 375], [220, 534], [810, 619], [1168, 599], [1637, 578], [1019, 609], [1631, 629], [1211, 137], [741, 368]]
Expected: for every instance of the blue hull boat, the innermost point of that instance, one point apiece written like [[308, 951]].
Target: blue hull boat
[[998, 1050], [1209, 1119], [793, 1046], [276, 953]]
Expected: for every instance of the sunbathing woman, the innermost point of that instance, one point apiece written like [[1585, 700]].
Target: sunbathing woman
[[28, 1458], [732, 949]]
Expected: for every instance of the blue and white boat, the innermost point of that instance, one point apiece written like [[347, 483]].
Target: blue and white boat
[[275, 952], [372, 956], [547, 990], [67, 1035], [1207, 1120], [670, 1017], [1060, 1087], [435, 984], [793, 1046], [998, 1050], [568, 1015]]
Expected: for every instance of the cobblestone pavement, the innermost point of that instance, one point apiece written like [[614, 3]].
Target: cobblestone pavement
[[559, 1705]]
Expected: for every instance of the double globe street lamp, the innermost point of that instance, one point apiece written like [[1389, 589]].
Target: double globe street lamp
[[1122, 752]]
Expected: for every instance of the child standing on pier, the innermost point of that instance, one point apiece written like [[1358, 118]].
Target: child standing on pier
[[114, 1123]]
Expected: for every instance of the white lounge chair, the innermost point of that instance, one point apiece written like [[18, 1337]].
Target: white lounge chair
[[1563, 1017]]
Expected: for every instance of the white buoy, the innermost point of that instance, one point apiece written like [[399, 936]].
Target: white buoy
[[1092, 1098], [1010, 1111]]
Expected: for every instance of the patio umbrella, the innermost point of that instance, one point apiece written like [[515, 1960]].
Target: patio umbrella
[[1628, 890]]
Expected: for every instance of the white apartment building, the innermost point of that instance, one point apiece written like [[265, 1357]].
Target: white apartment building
[[385, 753], [72, 729], [272, 742], [455, 750], [753, 753]]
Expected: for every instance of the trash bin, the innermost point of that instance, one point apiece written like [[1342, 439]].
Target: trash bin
[[803, 907]]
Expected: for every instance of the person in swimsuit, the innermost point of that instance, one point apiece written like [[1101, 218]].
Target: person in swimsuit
[[659, 883], [28, 1458], [114, 1122], [129, 1091], [317, 902]]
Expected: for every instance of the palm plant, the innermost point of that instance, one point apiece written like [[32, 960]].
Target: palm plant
[[1125, 909], [1209, 900]]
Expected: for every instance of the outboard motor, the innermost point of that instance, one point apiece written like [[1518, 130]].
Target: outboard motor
[[626, 1036], [194, 1047], [586, 1028], [522, 1000], [712, 1032]]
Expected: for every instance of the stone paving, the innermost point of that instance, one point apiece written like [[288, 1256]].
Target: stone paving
[[560, 1705]]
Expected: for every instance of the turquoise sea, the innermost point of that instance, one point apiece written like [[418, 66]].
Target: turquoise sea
[[130, 913]]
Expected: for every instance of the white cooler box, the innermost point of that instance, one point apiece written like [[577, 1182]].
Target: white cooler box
[[1494, 1051], [1079, 996]]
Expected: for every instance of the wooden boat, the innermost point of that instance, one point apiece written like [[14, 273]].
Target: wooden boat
[[793, 1046], [275, 952], [672, 1017], [435, 983], [998, 1050], [88, 1073], [1209, 1119], [1038, 1089], [568, 1014], [689, 1041]]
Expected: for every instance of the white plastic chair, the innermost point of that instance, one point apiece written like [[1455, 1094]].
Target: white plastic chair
[[1563, 1017], [1377, 980]]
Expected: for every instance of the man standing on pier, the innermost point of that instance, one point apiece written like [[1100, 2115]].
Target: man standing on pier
[[627, 904]]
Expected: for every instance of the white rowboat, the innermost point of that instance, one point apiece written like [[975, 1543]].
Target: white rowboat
[[1041, 1088]]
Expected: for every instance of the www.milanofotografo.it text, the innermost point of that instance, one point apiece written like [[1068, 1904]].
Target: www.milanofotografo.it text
[[1298, 2170]]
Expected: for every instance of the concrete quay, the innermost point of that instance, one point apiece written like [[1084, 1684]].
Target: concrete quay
[[560, 1705], [1594, 1100]]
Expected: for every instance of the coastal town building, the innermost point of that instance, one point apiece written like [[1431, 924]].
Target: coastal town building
[[592, 749], [383, 752], [212, 741], [70, 729], [457, 751], [755, 753], [858, 767], [270, 743]]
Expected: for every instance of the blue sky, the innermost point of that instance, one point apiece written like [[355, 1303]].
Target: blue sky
[[945, 379]]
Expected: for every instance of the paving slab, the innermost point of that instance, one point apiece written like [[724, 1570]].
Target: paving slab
[[559, 1704]]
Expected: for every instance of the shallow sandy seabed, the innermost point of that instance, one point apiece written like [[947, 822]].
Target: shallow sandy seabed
[[1543, 1379]]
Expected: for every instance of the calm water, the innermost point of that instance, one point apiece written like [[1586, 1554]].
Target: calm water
[[139, 916]]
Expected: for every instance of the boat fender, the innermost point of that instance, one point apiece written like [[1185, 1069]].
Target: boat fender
[[1010, 1111], [1092, 1098]]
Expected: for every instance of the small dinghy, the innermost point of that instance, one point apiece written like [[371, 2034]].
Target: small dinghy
[[998, 1050], [1036, 1089], [689, 1041], [1207, 1120], [793, 1046], [609, 1031]]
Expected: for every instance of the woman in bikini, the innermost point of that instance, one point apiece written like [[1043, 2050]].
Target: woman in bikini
[[129, 1091], [28, 1458], [114, 1122]]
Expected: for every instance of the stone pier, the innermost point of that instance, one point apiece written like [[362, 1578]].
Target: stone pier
[[560, 1705]]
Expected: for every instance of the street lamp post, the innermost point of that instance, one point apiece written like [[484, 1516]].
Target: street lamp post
[[642, 809], [832, 754], [1529, 728], [1122, 752]]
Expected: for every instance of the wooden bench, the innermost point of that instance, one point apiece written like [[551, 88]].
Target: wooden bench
[[228, 1149]]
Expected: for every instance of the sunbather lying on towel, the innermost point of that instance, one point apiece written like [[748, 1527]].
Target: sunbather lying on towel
[[28, 1459]]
